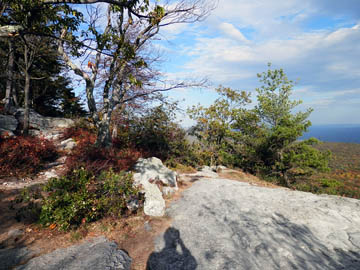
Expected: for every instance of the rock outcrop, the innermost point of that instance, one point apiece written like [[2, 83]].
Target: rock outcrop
[[8, 125], [97, 253], [39, 125], [223, 224], [150, 174]]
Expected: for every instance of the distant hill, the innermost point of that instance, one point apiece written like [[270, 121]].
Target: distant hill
[[334, 133]]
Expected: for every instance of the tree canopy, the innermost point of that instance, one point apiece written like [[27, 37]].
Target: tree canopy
[[264, 139]]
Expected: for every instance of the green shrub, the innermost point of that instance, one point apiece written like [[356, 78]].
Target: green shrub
[[155, 133], [116, 189], [81, 198], [330, 183], [71, 200]]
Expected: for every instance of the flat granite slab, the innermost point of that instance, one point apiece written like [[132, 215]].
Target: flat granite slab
[[95, 254], [224, 224]]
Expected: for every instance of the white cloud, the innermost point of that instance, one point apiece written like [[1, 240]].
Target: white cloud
[[231, 31]]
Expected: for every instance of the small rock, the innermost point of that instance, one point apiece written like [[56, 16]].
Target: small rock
[[6, 133], [50, 174], [68, 144], [147, 226], [220, 168], [15, 233], [168, 191], [133, 204]]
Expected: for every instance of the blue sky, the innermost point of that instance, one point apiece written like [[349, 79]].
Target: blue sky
[[316, 42]]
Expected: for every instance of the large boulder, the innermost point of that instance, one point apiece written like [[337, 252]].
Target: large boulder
[[97, 254], [154, 204], [8, 122], [39, 122], [153, 168], [8, 125], [150, 174]]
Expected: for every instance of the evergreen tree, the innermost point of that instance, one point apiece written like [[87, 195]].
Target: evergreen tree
[[51, 93]]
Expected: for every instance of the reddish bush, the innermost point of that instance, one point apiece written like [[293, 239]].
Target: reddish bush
[[21, 156], [80, 135], [94, 159]]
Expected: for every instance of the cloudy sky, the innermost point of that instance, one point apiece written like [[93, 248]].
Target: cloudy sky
[[316, 42]]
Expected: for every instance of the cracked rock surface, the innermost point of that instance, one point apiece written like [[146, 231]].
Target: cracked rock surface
[[224, 224]]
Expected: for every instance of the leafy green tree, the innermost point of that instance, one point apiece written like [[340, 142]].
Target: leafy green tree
[[214, 127], [264, 139], [280, 127]]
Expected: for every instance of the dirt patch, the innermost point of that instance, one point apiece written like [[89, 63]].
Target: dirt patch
[[241, 176]]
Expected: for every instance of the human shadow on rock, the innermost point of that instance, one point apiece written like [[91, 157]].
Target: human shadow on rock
[[174, 255]]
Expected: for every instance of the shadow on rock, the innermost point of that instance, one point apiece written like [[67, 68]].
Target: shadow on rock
[[174, 255], [276, 243]]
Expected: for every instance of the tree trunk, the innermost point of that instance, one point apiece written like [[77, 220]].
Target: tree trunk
[[26, 104], [103, 135], [26, 91], [114, 131], [9, 79]]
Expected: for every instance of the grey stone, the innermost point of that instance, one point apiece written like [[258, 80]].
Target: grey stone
[[95, 254], [68, 144], [8, 123], [39, 122], [154, 204], [224, 224], [51, 174], [147, 226], [149, 172], [15, 256], [15, 233], [199, 174], [207, 171], [6, 133], [153, 168], [133, 204]]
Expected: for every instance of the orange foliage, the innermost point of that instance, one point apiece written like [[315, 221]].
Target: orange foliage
[[22, 156]]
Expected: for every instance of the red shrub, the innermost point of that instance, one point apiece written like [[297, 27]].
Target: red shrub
[[21, 156], [80, 135], [94, 159]]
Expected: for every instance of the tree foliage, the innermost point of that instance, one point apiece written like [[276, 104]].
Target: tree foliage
[[264, 139], [51, 92], [214, 126]]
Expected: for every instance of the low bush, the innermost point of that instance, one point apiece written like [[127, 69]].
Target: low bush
[[80, 198], [93, 159], [22, 156], [96, 160]]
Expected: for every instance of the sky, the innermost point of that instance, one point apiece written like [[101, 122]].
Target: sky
[[316, 42]]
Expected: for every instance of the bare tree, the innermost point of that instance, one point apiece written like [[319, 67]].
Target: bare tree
[[118, 53]]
